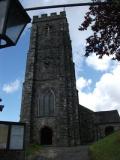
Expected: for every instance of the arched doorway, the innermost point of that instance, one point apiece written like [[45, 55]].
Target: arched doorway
[[109, 130], [46, 136]]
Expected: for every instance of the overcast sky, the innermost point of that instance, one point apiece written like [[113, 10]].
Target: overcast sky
[[97, 80]]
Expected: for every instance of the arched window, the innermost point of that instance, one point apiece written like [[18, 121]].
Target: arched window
[[46, 104]]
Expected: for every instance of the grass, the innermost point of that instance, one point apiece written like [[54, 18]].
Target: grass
[[33, 149], [107, 148]]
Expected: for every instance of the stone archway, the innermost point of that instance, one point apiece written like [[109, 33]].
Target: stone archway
[[46, 134], [109, 130]]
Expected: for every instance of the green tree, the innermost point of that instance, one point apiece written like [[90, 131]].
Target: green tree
[[104, 20]]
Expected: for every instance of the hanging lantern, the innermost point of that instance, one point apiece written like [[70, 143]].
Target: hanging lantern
[[1, 106], [13, 19]]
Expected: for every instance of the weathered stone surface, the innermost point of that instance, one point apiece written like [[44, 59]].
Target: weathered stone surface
[[50, 67], [93, 125], [87, 129]]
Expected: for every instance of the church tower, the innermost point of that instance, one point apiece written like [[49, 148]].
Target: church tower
[[50, 99]]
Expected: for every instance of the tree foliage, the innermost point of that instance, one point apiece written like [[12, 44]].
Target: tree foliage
[[104, 20]]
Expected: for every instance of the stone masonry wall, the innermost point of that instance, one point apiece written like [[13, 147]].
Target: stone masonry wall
[[50, 67]]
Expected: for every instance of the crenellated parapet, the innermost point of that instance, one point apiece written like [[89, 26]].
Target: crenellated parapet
[[52, 16]]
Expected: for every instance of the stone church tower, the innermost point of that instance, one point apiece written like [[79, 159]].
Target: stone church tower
[[50, 99]]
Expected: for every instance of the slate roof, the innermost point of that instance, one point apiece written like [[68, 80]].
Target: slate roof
[[107, 117], [85, 109]]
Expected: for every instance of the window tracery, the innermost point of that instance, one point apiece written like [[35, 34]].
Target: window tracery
[[46, 104]]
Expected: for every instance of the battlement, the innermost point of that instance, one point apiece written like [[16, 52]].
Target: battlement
[[44, 17]]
